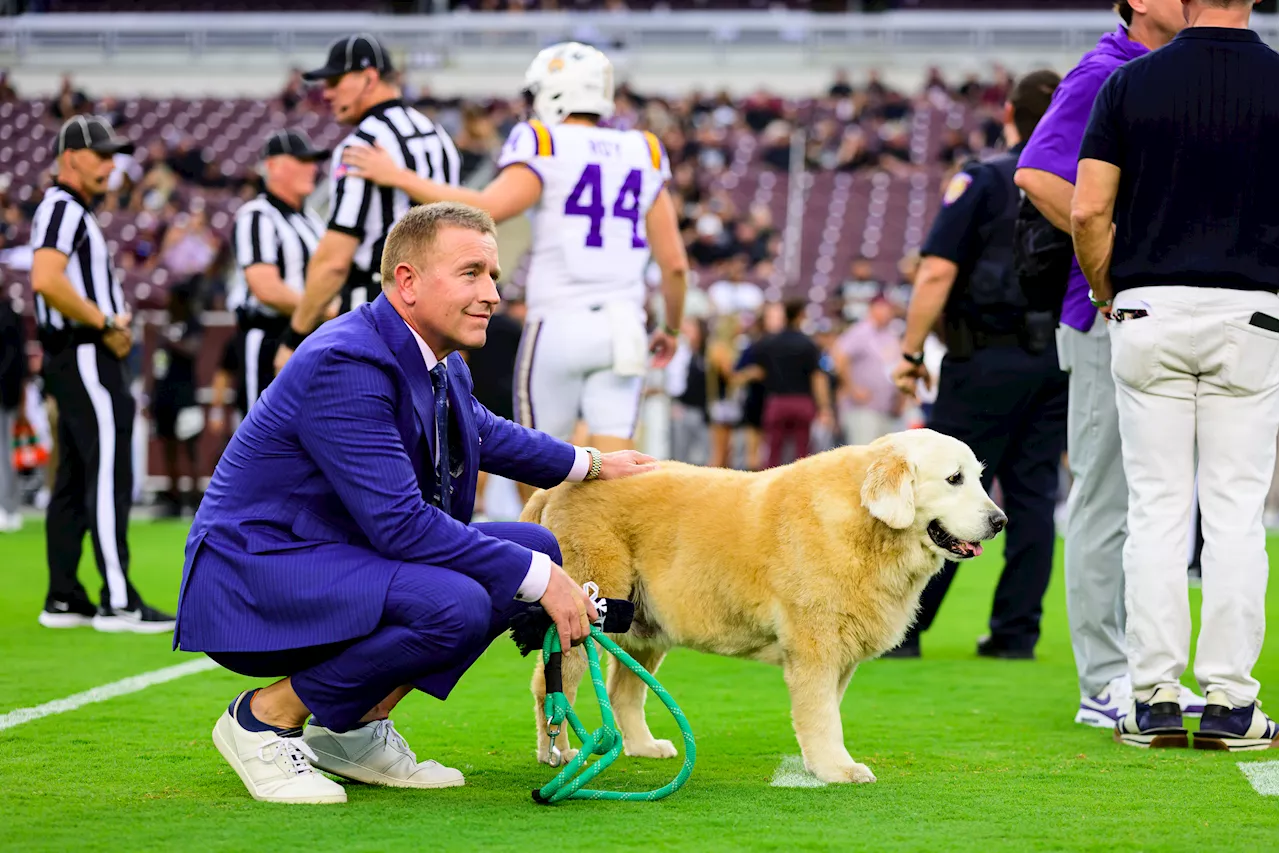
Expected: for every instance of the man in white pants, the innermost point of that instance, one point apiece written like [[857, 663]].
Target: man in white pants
[[1188, 276], [600, 210]]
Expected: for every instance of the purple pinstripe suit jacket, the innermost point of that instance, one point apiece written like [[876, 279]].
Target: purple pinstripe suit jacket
[[319, 497]]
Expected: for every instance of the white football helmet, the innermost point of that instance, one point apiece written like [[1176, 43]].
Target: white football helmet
[[569, 78]]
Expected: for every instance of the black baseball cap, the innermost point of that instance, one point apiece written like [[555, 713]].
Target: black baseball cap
[[353, 53], [295, 143], [93, 133]]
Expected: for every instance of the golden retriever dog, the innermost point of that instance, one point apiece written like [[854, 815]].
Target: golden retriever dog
[[815, 566]]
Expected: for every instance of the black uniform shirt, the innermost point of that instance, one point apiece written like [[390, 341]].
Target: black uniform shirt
[[972, 198], [1193, 129], [973, 205]]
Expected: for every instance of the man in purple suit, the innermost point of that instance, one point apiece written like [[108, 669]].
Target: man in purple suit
[[333, 546]]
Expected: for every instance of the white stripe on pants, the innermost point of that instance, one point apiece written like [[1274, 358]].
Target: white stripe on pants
[[1194, 375], [252, 354], [8, 476], [104, 413]]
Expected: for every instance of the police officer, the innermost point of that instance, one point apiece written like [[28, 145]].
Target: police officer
[[1000, 389]]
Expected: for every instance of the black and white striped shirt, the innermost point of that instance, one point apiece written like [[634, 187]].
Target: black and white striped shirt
[[268, 231], [367, 211], [64, 222]]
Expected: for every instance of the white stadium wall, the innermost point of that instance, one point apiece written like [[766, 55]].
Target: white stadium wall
[[792, 53]]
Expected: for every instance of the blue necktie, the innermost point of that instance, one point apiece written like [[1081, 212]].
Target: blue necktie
[[440, 387]]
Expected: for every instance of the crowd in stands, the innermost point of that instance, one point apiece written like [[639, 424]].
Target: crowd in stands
[[176, 194], [170, 206]]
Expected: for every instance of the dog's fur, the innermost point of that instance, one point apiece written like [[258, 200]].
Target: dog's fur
[[815, 566]]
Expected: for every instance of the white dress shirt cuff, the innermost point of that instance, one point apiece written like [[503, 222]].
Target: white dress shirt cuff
[[581, 466], [535, 582]]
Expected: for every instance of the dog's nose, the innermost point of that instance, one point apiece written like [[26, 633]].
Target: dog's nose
[[997, 520]]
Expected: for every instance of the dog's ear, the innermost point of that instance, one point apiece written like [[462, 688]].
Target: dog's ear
[[888, 490]]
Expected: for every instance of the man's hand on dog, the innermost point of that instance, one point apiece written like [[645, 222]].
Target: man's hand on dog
[[625, 463], [569, 607]]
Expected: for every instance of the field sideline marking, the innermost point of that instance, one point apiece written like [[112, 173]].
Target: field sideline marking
[[124, 686], [791, 774], [1264, 776]]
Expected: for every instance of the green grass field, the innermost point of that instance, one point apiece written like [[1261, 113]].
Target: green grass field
[[971, 754]]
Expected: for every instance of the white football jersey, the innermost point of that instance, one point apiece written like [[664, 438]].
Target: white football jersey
[[589, 240]]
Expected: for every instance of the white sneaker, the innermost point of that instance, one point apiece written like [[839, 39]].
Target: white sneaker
[[275, 769], [376, 754], [1102, 711], [10, 522]]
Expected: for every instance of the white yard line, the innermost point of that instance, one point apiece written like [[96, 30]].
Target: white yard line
[[1264, 776], [791, 774], [124, 686]]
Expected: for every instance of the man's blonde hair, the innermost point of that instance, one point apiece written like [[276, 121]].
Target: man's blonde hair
[[412, 237]]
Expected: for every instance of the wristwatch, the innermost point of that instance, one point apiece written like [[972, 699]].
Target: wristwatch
[[916, 358], [292, 338], [597, 460], [1098, 303], [675, 333]]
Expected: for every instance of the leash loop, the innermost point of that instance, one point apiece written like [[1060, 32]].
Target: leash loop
[[605, 741]]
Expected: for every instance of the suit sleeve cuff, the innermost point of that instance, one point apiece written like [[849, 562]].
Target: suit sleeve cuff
[[581, 466], [535, 582]]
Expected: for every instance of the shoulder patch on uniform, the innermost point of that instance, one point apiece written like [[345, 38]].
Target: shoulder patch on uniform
[[956, 188]]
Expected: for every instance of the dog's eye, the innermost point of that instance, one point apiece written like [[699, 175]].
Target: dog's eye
[[956, 479]]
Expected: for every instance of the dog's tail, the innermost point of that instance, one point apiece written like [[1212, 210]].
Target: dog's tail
[[534, 508]]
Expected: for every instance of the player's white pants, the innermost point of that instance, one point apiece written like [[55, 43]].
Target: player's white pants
[[566, 370], [1195, 374]]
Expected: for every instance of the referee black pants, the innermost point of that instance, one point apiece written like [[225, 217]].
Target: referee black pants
[[1010, 407], [93, 490], [257, 364]]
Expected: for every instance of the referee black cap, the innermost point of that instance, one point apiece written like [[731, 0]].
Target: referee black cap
[[92, 132], [295, 143], [353, 53]]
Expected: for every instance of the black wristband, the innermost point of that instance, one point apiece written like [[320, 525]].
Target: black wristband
[[916, 358], [292, 338]]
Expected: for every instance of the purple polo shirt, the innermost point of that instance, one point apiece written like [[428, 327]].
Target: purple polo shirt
[[1054, 147]]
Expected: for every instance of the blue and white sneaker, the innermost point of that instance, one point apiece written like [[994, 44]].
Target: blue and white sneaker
[[1103, 710], [1154, 724], [1235, 729]]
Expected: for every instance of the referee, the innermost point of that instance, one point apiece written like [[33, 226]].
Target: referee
[[1180, 154], [359, 85], [84, 329], [275, 238]]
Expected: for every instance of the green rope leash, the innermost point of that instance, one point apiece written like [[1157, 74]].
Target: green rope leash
[[605, 741]]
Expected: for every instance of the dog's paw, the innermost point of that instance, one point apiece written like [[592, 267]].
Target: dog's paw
[[566, 755], [845, 773], [861, 774], [652, 749]]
